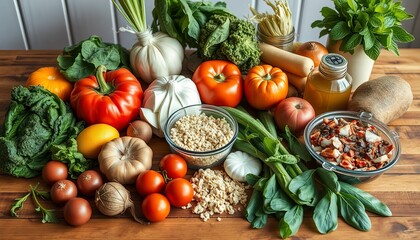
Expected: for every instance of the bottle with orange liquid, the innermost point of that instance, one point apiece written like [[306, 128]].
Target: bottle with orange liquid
[[328, 87]]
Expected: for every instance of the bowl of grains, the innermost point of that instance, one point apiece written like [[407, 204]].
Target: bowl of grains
[[202, 134], [354, 145]]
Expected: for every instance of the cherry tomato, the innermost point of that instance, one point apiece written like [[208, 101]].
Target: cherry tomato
[[54, 171], [155, 207], [294, 112], [149, 182], [174, 165], [179, 192], [77, 211], [89, 181], [62, 191]]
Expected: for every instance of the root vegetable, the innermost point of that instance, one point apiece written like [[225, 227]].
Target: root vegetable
[[297, 81], [113, 198], [386, 97], [140, 129], [286, 61]]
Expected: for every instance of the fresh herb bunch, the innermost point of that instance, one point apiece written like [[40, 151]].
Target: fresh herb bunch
[[375, 24], [48, 215]]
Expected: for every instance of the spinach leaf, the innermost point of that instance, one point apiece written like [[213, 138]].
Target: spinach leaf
[[219, 35], [326, 213], [371, 203], [295, 146], [80, 60], [329, 179], [270, 187], [278, 203], [252, 179], [285, 158], [254, 212], [353, 212], [304, 186], [290, 223], [106, 55]]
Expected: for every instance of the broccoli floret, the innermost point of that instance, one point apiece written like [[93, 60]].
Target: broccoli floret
[[226, 37]]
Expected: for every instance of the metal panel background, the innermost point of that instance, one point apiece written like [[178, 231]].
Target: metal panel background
[[53, 24], [44, 23], [10, 34]]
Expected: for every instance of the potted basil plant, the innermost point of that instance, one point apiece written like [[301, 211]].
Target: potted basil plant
[[360, 29]]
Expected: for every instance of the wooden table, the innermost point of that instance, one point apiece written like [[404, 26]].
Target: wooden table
[[398, 188]]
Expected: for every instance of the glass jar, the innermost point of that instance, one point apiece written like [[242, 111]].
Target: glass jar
[[282, 42], [328, 86]]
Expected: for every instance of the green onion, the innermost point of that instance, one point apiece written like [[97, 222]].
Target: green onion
[[134, 11]]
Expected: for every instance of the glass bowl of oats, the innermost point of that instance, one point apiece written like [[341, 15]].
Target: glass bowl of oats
[[354, 145], [203, 134]]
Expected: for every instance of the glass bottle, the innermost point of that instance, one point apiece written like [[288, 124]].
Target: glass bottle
[[328, 87]]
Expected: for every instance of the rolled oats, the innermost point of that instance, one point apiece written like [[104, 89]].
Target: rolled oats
[[216, 192]]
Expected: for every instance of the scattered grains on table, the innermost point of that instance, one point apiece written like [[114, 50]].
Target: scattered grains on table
[[201, 132], [216, 192]]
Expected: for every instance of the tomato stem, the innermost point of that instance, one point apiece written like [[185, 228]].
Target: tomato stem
[[104, 88], [220, 77]]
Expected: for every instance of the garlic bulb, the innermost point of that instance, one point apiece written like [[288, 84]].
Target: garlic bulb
[[164, 96], [238, 164], [156, 55]]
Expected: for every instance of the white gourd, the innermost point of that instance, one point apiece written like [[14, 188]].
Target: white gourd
[[164, 96], [155, 55], [238, 164], [124, 158]]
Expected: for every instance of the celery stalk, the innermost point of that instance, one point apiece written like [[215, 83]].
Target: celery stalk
[[284, 172]]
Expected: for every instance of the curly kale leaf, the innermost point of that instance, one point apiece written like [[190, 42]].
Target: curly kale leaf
[[36, 120], [226, 37]]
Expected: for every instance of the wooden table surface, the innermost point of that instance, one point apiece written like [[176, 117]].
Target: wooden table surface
[[398, 188]]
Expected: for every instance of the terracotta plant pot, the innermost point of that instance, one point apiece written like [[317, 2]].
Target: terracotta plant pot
[[359, 64]]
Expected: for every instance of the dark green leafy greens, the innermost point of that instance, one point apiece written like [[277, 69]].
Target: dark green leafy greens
[[183, 19], [375, 24], [81, 60], [226, 37], [67, 152], [35, 121]]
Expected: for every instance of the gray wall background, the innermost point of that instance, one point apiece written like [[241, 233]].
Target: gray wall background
[[53, 24]]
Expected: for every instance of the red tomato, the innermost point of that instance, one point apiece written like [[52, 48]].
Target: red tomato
[[62, 191], [77, 211], [294, 112], [219, 83], [149, 182], [179, 192], [155, 207], [265, 86], [54, 171], [174, 165], [89, 181]]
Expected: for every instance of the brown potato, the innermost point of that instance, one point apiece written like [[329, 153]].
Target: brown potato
[[386, 97]]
